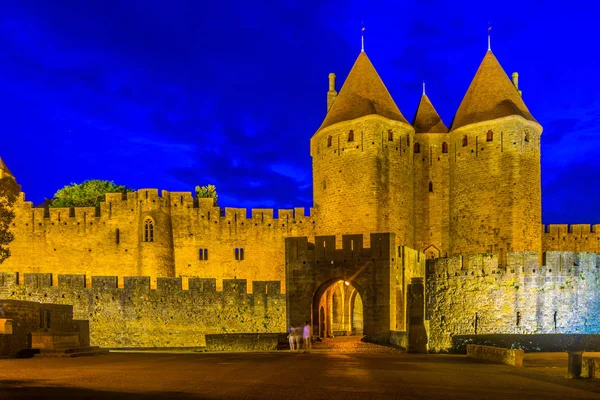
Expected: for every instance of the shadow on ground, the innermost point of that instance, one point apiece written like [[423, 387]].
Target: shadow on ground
[[31, 389]]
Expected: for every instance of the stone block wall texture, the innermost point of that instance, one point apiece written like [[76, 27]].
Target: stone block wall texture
[[364, 185], [496, 354], [110, 240], [576, 238], [31, 316], [495, 187], [431, 190], [244, 341], [169, 316], [380, 273], [476, 295]]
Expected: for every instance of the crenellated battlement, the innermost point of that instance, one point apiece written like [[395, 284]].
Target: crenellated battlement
[[145, 200], [324, 249], [575, 229], [140, 284], [135, 315], [574, 237], [518, 265]]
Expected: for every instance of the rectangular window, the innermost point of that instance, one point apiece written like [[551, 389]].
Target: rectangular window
[[203, 254], [118, 236], [239, 254]]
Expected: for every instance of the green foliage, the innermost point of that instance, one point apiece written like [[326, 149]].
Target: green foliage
[[9, 190], [86, 194], [208, 191]]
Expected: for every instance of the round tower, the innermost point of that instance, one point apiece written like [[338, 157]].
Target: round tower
[[362, 160], [495, 186]]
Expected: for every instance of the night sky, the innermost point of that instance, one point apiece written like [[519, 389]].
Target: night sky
[[174, 94]]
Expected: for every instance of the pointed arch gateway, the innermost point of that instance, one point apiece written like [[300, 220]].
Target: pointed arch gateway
[[347, 290]]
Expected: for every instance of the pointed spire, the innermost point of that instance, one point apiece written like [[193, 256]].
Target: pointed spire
[[363, 93], [491, 95], [362, 39], [427, 119]]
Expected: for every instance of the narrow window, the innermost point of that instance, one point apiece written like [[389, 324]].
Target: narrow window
[[417, 147], [444, 147], [526, 136], [518, 318], [489, 136], [205, 254], [430, 186], [241, 254], [408, 140], [465, 141], [390, 135], [148, 230], [351, 136], [555, 318], [329, 141], [237, 254], [201, 254], [118, 235], [180, 199]]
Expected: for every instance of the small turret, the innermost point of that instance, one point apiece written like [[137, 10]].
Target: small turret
[[515, 81], [331, 94]]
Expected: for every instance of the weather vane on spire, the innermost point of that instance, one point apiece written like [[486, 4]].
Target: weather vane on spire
[[362, 38], [489, 37], [423, 88]]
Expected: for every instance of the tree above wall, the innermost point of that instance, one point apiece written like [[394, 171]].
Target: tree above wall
[[86, 194]]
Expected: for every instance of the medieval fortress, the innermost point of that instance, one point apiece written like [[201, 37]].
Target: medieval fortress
[[419, 233]]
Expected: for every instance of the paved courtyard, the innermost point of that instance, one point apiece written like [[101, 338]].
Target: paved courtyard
[[340, 369]]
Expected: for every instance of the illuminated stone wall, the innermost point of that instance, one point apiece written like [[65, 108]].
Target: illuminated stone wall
[[364, 185], [495, 187], [137, 316], [110, 240], [576, 237], [431, 194], [475, 295]]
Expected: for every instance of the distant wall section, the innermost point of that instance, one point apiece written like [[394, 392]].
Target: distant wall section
[[169, 316], [475, 295]]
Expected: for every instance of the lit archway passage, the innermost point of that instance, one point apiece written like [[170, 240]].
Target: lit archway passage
[[340, 310]]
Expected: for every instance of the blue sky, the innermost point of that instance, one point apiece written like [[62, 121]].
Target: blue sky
[[174, 94]]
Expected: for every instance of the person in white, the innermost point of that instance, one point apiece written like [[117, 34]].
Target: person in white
[[307, 337], [294, 338]]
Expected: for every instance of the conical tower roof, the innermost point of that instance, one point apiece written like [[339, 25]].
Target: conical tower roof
[[363, 93], [427, 120], [491, 95], [4, 168]]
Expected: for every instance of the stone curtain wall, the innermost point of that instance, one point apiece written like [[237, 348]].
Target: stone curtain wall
[[576, 237], [93, 241], [475, 295], [137, 316]]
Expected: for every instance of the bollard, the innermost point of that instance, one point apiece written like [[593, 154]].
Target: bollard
[[575, 362]]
